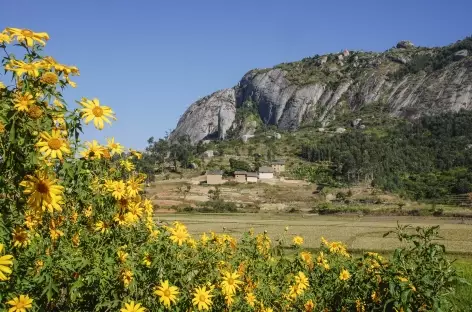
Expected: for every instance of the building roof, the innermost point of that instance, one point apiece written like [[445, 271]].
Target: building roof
[[240, 172], [251, 174], [278, 162], [214, 172], [266, 170]]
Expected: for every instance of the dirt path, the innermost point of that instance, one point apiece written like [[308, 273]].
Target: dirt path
[[362, 233]]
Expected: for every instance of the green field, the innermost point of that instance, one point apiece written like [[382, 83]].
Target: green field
[[463, 296]]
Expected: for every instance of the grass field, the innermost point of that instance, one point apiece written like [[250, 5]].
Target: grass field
[[359, 233]]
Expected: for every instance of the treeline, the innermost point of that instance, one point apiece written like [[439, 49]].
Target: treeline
[[428, 158]]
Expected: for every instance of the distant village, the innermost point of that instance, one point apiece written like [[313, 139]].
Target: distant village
[[214, 177]]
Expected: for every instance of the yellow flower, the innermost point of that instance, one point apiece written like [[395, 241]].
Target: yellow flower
[[344, 275], [324, 241], [133, 307], [20, 304], [76, 240], [88, 212], [135, 153], [131, 218], [339, 248], [122, 256], [267, 309], [58, 103], [167, 293], [321, 261], [49, 78], [134, 185], [102, 227], [297, 240], [251, 299], [99, 114], [179, 235], [106, 153], [2, 127], [93, 150], [302, 280], [53, 145], [20, 68], [306, 257], [230, 283], [27, 36], [147, 261], [20, 237], [148, 207], [136, 209], [71, 83], [49, 62], [35, 112], [204, 238], [153, 234], [360, 307], [127, 165], [115, 147], [295, 291], [23, 101], [74, 216], [4, 38], [126, 277], [120, 219], [117, 189], [402, 279], [309, 306], [38, 264], [375, 297], [43, 192], [55, 234], [202, 298], [32, 219], [6, 263]]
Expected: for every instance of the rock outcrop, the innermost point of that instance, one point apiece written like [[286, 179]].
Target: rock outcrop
[[200, 120], [292, 94]]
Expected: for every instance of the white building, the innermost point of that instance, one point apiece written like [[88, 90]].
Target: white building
[[251, 177], [266, 173]]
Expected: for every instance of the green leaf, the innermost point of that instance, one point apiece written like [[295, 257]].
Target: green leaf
[[12, 132]]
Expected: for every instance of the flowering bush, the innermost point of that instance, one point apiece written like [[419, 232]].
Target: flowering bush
[[77, 235]]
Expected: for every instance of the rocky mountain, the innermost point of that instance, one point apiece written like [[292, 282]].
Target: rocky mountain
[[410, 81]]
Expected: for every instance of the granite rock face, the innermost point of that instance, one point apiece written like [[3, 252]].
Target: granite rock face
[[204, 118], [292, 94]]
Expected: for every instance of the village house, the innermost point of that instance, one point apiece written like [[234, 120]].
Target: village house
[[251, 177], [266, 173], [240, 176], [214, 177], [278, 166]]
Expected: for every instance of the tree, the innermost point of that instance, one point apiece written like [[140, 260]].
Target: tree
[[241, 165], [215, 194]]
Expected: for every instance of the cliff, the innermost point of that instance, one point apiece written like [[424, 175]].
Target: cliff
[[411, 81]]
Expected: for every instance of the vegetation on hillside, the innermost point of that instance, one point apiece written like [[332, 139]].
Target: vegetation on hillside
[[431, 60], [428, 158]]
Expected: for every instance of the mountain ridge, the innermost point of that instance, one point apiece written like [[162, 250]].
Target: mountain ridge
[[411, 81]]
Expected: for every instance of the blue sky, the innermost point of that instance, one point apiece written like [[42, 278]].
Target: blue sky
[[149, 60]]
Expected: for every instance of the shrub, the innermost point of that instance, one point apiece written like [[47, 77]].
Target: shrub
[[218, 206], [239, 165], [76, 235]]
